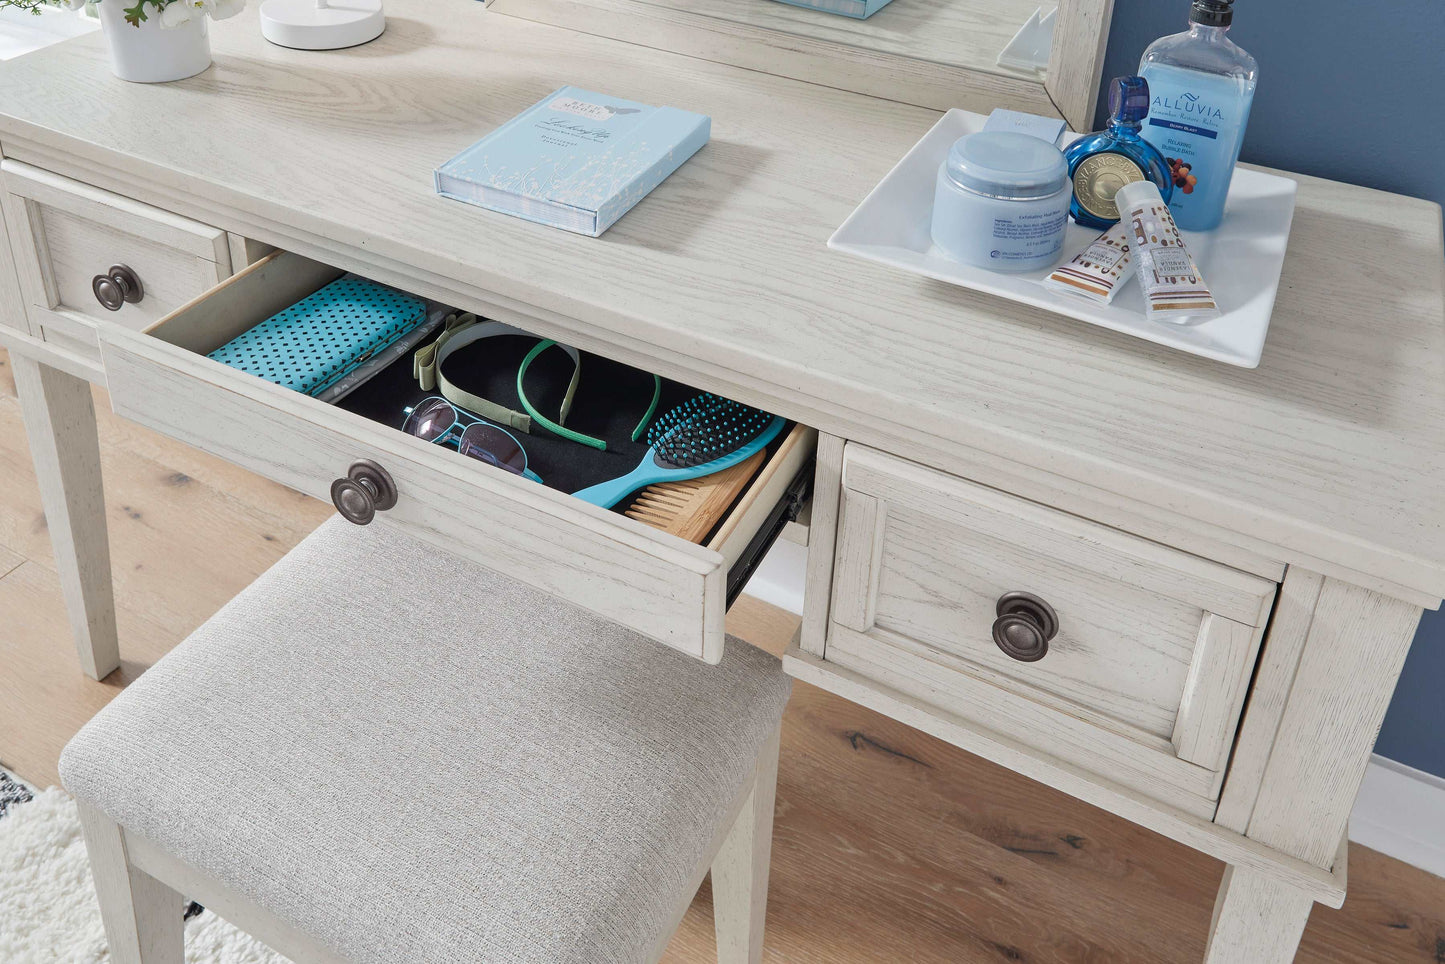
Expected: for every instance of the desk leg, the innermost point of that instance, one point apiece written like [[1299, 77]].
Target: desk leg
[[60, 420], [1256, 919], [1339, 684]]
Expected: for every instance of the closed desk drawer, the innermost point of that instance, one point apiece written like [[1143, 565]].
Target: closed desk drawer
[[666, 588], [67, 234], [1126, 658]]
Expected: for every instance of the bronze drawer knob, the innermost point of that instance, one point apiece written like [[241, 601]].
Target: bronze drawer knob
[[1024, 626], [118, 286], [366, 490]]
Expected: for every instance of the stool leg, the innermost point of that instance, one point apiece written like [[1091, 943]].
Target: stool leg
[[142, 916], [740, 869]]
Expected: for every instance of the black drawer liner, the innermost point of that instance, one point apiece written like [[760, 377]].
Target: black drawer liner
[[611, 398]]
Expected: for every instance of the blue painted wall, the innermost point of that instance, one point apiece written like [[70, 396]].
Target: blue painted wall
[[1349, 91]]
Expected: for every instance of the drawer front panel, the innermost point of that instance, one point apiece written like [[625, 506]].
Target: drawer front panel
[[66, 233], [657, 584], [1147, 673]]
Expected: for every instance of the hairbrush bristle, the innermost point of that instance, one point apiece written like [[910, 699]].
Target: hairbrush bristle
[[704, 428]]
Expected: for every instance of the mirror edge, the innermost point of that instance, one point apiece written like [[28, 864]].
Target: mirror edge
[[1069, 89], [1076, 59]]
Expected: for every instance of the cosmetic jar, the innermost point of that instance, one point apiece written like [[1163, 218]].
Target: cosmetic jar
[[1002, 202]]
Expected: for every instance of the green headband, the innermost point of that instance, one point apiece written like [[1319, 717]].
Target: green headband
[[567, 433], [461, 331]]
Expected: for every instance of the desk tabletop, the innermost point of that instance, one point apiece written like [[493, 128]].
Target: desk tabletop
[[1332, 450]]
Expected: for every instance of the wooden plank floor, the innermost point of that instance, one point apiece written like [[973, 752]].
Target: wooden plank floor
[[891, 845]]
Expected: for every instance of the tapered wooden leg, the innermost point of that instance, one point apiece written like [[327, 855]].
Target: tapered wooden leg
[[740, 870], [60, 421], [142, 916], [1257, 920]]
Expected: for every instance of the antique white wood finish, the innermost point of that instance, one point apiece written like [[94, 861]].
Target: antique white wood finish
[[1088, 741], [658, 584], [52, 354], [1256, 920], [245, 251], [1214, 690], [1076, 60], [60, 422], [1148, 673], [1273, 462], [740, 869], [141, 914], [822, 539], [1120, 472], [1352, 657], [12, 302], [68, 232], [1326, 887], [763, 494], [1294, 610]]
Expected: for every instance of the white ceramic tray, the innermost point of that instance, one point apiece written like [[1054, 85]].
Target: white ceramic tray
[[1241, 259]]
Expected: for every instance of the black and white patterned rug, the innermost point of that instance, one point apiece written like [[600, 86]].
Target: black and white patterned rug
[[13, 792], [48, 913]]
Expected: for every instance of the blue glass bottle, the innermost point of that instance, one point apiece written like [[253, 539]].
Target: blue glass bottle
[[1203, 86], [1102, 162]]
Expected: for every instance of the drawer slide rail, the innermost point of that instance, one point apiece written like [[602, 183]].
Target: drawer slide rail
[[787, 510]]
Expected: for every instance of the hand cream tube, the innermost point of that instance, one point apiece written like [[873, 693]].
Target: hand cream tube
[[1098, 271], [1173, 287]]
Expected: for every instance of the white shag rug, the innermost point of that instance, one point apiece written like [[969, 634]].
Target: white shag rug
[[48, 913]]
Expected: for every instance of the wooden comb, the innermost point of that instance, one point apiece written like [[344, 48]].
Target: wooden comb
[[691, 508]]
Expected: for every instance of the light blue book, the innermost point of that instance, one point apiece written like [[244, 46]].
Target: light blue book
[[575, 160]]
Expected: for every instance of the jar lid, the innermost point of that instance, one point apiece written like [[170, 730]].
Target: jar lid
[[1006, 164]]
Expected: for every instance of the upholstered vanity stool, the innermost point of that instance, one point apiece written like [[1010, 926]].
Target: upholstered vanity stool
[[378, 753]]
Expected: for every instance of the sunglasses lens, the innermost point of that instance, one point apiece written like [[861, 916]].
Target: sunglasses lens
[[431, 419], [493, 446]]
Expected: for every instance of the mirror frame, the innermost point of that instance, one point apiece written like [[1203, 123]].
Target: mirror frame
[[1068, 89]]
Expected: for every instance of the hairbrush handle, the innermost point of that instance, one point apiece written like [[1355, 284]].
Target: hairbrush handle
[[609, 493]]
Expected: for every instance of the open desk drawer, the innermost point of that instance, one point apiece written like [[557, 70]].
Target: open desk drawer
[[661, 586]]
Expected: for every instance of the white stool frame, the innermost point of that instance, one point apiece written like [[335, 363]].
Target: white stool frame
[[140, 887]]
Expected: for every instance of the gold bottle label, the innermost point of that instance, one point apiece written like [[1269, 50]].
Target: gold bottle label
[[1098, 178]]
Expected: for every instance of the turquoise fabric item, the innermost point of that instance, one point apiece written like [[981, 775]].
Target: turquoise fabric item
[[324, 336]]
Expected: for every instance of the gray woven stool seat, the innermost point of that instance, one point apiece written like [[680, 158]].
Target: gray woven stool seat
[[411, 758]]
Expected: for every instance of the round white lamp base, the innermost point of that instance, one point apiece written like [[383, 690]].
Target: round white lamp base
[[321, 24]]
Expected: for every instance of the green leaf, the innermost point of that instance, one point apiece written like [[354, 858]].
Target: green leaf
[[136, 14]]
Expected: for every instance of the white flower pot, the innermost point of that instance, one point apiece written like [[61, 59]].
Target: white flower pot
[[150, 53]]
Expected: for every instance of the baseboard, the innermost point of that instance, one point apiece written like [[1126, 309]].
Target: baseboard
[[1401, 813], [1400, 810]]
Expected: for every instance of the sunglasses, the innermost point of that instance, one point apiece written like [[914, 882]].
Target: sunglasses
[[437, 420]]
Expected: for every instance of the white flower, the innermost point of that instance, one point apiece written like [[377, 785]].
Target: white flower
[[178, 12], [222, 9], [74, 4]]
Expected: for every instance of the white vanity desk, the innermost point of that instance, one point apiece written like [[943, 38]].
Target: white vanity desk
[[1237, 558]]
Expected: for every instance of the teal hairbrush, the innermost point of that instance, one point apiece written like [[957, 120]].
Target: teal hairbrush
[[701, 436]]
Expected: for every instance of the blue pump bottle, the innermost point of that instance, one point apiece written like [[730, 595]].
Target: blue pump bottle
[[1102, 162], [1203, 86]]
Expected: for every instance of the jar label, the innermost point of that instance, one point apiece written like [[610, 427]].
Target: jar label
[[1029, 237]]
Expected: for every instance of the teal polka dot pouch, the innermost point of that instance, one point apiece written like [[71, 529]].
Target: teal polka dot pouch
[[324, 336]]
